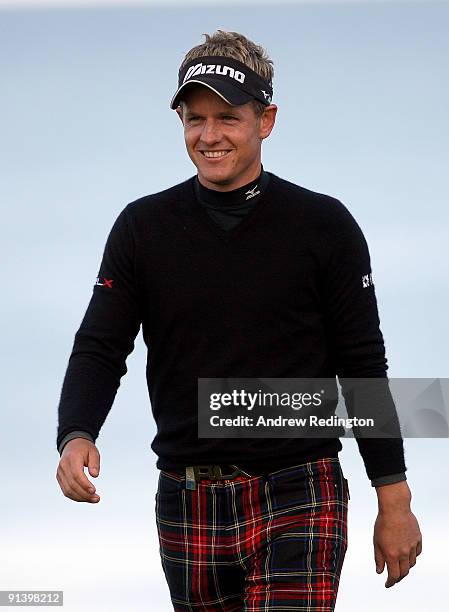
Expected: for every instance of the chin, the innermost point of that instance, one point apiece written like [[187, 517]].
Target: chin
[[218, 178], [220, 174], [213, 172]]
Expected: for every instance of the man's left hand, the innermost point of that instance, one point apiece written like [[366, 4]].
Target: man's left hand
[[397, 538]]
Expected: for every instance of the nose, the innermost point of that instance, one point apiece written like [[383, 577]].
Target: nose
[[211, 132]]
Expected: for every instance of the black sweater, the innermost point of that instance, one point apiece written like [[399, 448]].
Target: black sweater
[[268, 287]]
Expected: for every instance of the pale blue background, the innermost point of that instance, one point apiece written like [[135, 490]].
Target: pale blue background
[[363, 98]]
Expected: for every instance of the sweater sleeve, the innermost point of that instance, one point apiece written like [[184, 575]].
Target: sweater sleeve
[[357, 343], [104, 339], [73, 435]]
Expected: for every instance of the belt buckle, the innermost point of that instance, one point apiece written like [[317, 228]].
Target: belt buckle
[[195, 473], [207, 471]]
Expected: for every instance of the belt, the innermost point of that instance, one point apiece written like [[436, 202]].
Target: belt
[[196, 473]]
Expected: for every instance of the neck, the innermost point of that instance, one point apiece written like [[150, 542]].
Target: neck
[[241, 199], [249, 176], [231, 195]]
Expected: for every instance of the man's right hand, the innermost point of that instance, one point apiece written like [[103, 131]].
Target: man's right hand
[[77, 454]]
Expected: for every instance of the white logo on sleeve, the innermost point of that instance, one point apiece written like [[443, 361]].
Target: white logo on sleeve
[[107, 282], [367, 280]]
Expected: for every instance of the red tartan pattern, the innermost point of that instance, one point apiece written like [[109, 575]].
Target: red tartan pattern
[[255, 543]]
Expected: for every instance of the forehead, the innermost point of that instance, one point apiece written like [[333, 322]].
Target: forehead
[[199, 97]]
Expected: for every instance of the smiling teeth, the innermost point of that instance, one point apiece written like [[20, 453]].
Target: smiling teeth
[[214, 153]]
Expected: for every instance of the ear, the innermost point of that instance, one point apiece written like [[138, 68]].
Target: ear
[[267, 121], [179, 113]]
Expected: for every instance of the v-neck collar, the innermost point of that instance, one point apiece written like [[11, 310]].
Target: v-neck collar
[[230, 234]]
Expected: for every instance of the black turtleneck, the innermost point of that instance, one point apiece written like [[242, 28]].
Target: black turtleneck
[[227, 208]]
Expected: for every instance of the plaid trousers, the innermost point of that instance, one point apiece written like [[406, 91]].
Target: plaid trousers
[[272, 542]]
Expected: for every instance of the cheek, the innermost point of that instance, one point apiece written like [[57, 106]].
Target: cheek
[[247, 142], [190, 137], [246, 136]]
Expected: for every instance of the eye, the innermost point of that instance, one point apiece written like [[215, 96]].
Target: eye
[[229, 117]]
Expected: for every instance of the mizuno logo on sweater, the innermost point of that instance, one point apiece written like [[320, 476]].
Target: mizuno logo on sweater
[[214, 69], [252, 193], [107, 282]]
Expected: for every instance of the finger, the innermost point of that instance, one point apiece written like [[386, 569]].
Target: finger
[[66, 489], [419, 548], [404, 567], [61, 480], [412, 557], [73, 489], [93, 462], [379, 559], [76, 473], [393, 572]]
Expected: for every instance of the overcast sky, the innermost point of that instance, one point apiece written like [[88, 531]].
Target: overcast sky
[[363, 94], [15, 4]]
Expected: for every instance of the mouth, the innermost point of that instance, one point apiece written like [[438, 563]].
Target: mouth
[[215, 156]]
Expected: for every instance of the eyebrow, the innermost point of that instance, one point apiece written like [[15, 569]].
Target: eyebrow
[[221, 114]]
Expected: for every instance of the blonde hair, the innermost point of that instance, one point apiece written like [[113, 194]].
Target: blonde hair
[[237, 46]]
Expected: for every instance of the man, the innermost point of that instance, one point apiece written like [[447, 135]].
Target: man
[[237, 272]]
